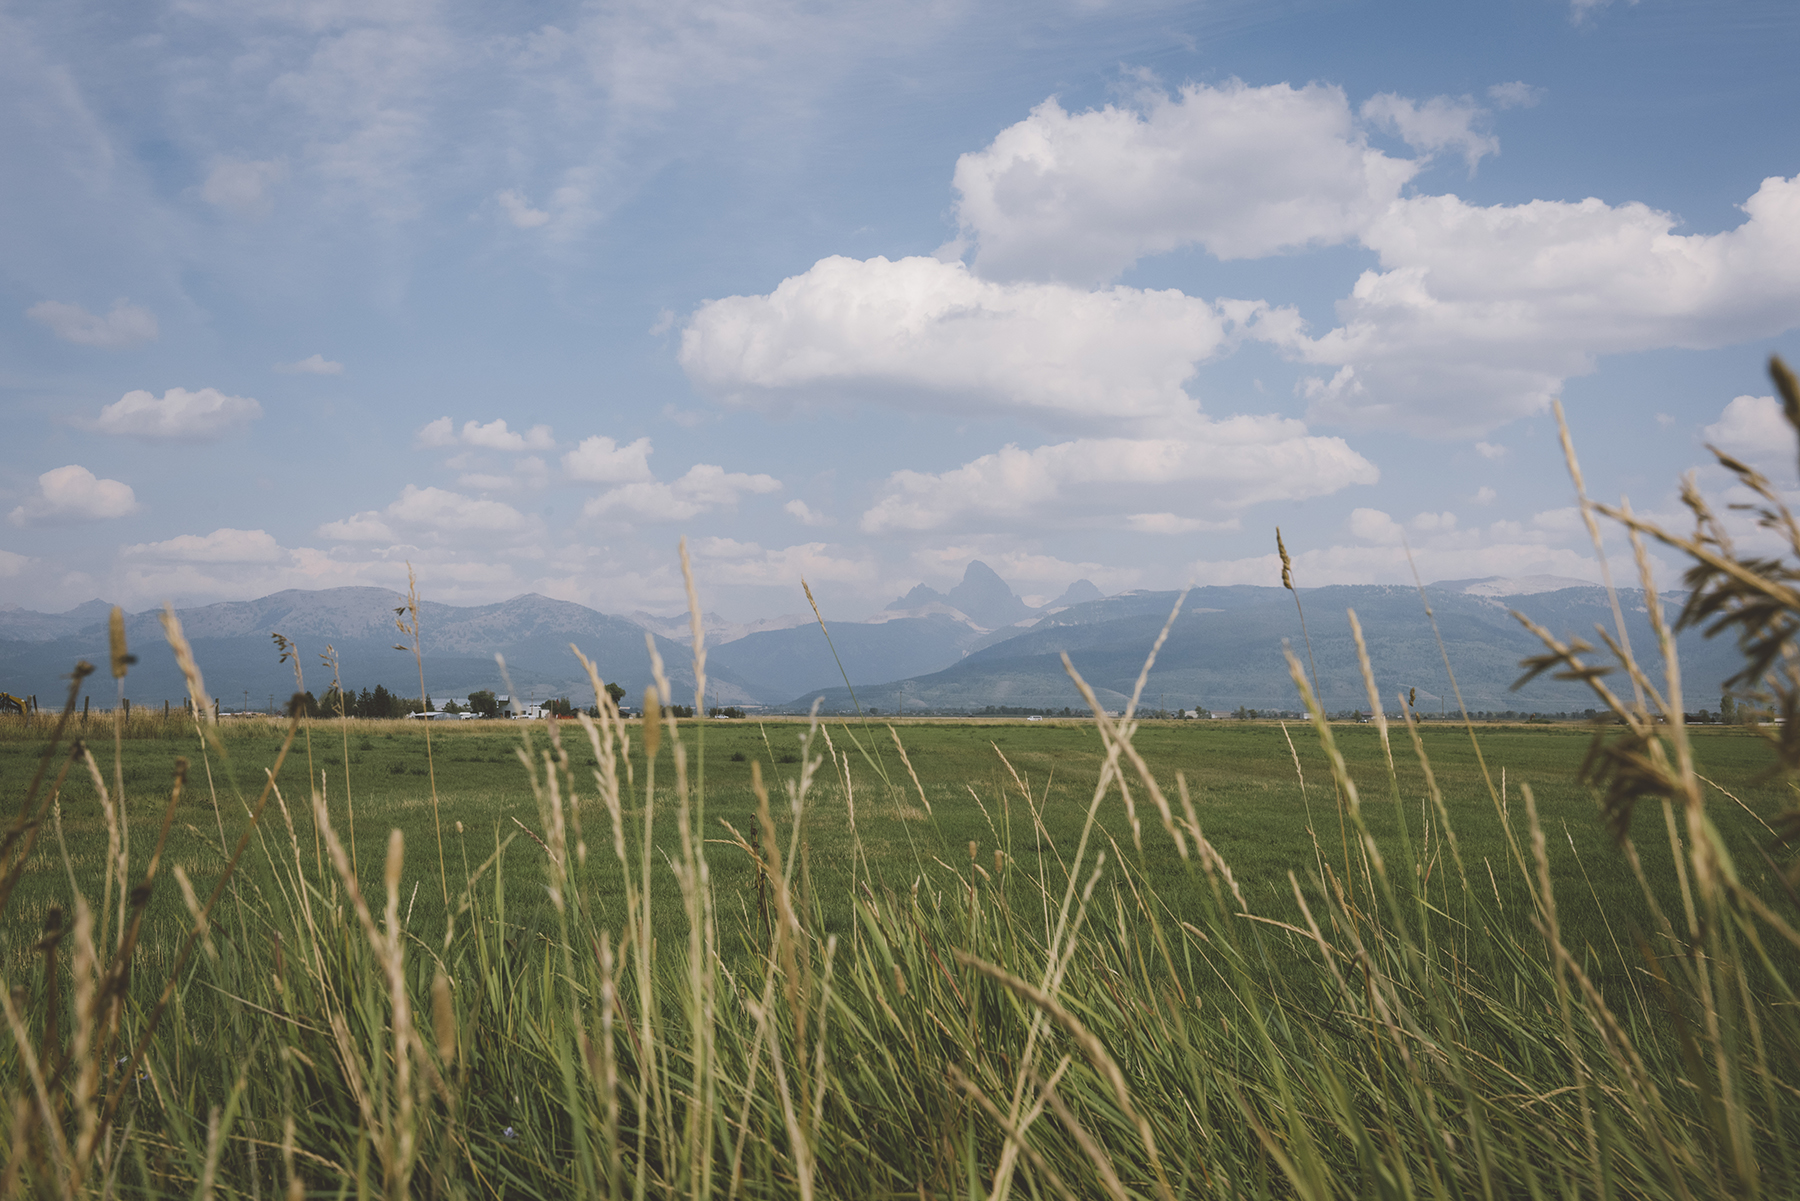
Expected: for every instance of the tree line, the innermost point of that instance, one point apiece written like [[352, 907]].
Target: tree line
[[483, 702], [379, 703]]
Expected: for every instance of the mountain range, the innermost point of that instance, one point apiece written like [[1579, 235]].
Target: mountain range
[[237, 655], [975, 645], [1226, 650]]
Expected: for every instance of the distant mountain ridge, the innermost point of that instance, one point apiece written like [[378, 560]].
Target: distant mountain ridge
[[755, 663], [923, 651], [1226, 651], [23, 625], [678, 627], [233, 645]]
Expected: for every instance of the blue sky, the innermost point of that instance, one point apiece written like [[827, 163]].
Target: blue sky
[[861, 292]]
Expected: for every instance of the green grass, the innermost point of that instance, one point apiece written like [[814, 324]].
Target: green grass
[[1242, 776], [893, 967]]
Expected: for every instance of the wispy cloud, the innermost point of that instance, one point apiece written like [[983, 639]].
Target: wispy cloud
[[492, 436], [704, 487], [126, 325], [177, 415], [314, 364]]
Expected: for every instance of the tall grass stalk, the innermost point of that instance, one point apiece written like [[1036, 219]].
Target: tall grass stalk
[[1287, 581], [406, 620]]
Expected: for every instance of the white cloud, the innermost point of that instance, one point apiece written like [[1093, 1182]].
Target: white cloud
[[1566, 520], [126, 325], [1553, 543], [1580, 10], [1105, 481], [528, 472], [1372, 525], [922, 330], [1389, 564], [220, 546], [519, 211], [600, 460], [179, 414], [495, 436], [1478, 314], [1485, 495], [451, 512], [1440, 123], [805, 514], [434, 512], [361, 527], [1170, 523], [1242, 171], [726, 562], [242, 188], [316, 364], [441, 432], [531, 471], [486, 483], [13, 565], [492, 436], [1752, 428], [704, 487], [73, 493], [1517, 94], [1490, 451], [1475, 317], [249, 563]]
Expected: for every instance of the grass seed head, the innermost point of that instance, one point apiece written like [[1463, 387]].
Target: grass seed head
[[443, 1018], [652, 722], [121, 657]]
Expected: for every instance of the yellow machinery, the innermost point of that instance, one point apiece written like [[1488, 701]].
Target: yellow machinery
[[13, 704]]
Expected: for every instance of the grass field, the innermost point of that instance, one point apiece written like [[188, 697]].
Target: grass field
[[1063, 958], [1242, 775]]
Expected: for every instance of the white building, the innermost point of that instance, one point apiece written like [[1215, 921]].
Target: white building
[[520, 710]]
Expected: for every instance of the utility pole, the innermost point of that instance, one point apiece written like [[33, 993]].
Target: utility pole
[[246, 700]]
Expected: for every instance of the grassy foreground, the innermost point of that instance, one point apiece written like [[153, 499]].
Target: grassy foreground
[[713, 977], [612, 1007], [1256, 809]]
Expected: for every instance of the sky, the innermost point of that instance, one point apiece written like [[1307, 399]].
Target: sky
[[298, 294]]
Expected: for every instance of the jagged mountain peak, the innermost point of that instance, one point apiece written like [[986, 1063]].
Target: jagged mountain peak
[[919, 596], [982, 596], [1077, 593]]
